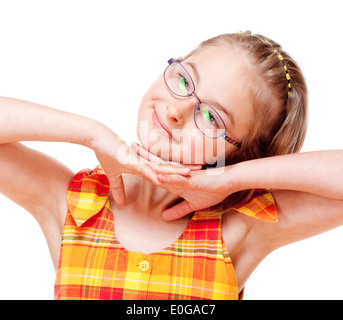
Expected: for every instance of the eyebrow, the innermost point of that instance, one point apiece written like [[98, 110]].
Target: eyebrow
[[217, 105], [228, 114], [194, 70]]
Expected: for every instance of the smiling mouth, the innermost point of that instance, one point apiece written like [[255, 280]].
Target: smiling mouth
[[161, 126]]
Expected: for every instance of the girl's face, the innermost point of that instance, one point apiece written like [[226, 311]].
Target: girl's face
[[166, 124]]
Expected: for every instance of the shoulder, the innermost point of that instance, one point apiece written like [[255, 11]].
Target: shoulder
[[85, 195]]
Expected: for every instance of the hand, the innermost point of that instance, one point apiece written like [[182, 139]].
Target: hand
[[200, 189], [116, 158]]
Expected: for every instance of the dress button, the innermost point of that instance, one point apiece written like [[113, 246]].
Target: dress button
[[144, 265]]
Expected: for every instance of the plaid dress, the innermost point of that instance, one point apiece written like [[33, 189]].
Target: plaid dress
[[94, 265]]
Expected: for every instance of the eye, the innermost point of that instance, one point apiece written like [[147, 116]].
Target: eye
[[210, 118], [183, 83]]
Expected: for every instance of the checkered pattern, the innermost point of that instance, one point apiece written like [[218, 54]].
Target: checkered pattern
[[94, 265], [260, 206]]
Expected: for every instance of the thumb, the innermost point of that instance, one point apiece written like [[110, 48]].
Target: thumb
[[118, 190], [178, 211]]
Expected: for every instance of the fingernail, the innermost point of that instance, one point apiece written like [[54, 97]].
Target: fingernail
[[197, 167], [186, 170], [161, 177]]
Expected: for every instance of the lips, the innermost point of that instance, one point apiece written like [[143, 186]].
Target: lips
[[161, 126]]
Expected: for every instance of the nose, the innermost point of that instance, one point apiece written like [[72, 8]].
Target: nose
[[174, 112], [179, 109]]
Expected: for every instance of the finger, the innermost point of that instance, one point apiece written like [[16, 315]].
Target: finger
[[171, 178], [145, 154], [118, 190], [148, 173], [178, 211], [168, 169], [164, 167], [192, 167]]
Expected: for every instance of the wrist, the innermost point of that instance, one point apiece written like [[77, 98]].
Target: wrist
[[243, 176], [94, 135], [232, 176], [101, 138]]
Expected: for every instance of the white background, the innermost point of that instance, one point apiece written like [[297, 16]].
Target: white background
[[97, 58]]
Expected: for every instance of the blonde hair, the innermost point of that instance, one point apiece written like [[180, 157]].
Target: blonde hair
[[280, 119]]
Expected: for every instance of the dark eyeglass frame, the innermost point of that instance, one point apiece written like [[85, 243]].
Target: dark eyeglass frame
[[223, 135]]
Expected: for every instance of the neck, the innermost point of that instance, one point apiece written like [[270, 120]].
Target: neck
[[138, 224], [145, 197]]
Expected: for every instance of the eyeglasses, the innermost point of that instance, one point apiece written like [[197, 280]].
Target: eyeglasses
[[206, 118]]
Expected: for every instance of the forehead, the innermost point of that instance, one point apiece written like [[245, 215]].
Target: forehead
[[225, 77], [228, 67]]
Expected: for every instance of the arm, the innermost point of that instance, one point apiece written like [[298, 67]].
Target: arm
[[27, 121], [33, 173], [308, 190], [319, 173], [307, 187], [33, 180], [39, 183], [28, 174]]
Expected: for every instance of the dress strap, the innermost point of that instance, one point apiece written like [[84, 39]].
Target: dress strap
[[260, 206], [87, 194]]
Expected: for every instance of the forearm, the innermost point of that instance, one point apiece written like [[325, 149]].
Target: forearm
[[26, 121], [319, 173]]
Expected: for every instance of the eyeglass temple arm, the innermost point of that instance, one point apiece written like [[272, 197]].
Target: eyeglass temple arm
[[232, 141]]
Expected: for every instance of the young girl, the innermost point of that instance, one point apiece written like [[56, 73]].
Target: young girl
[[237, 97]]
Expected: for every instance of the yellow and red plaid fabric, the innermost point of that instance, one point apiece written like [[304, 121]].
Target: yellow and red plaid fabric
[[94, 265], [260, 206]]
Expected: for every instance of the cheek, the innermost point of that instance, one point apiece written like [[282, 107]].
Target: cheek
[[157, 90], [189, 150], [197, 149], [142, 128], [192, 149], [215, 151], [152, 96]]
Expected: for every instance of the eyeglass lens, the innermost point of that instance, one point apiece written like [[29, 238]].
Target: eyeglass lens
[[208, 121], [181, 84], [178, 80]]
